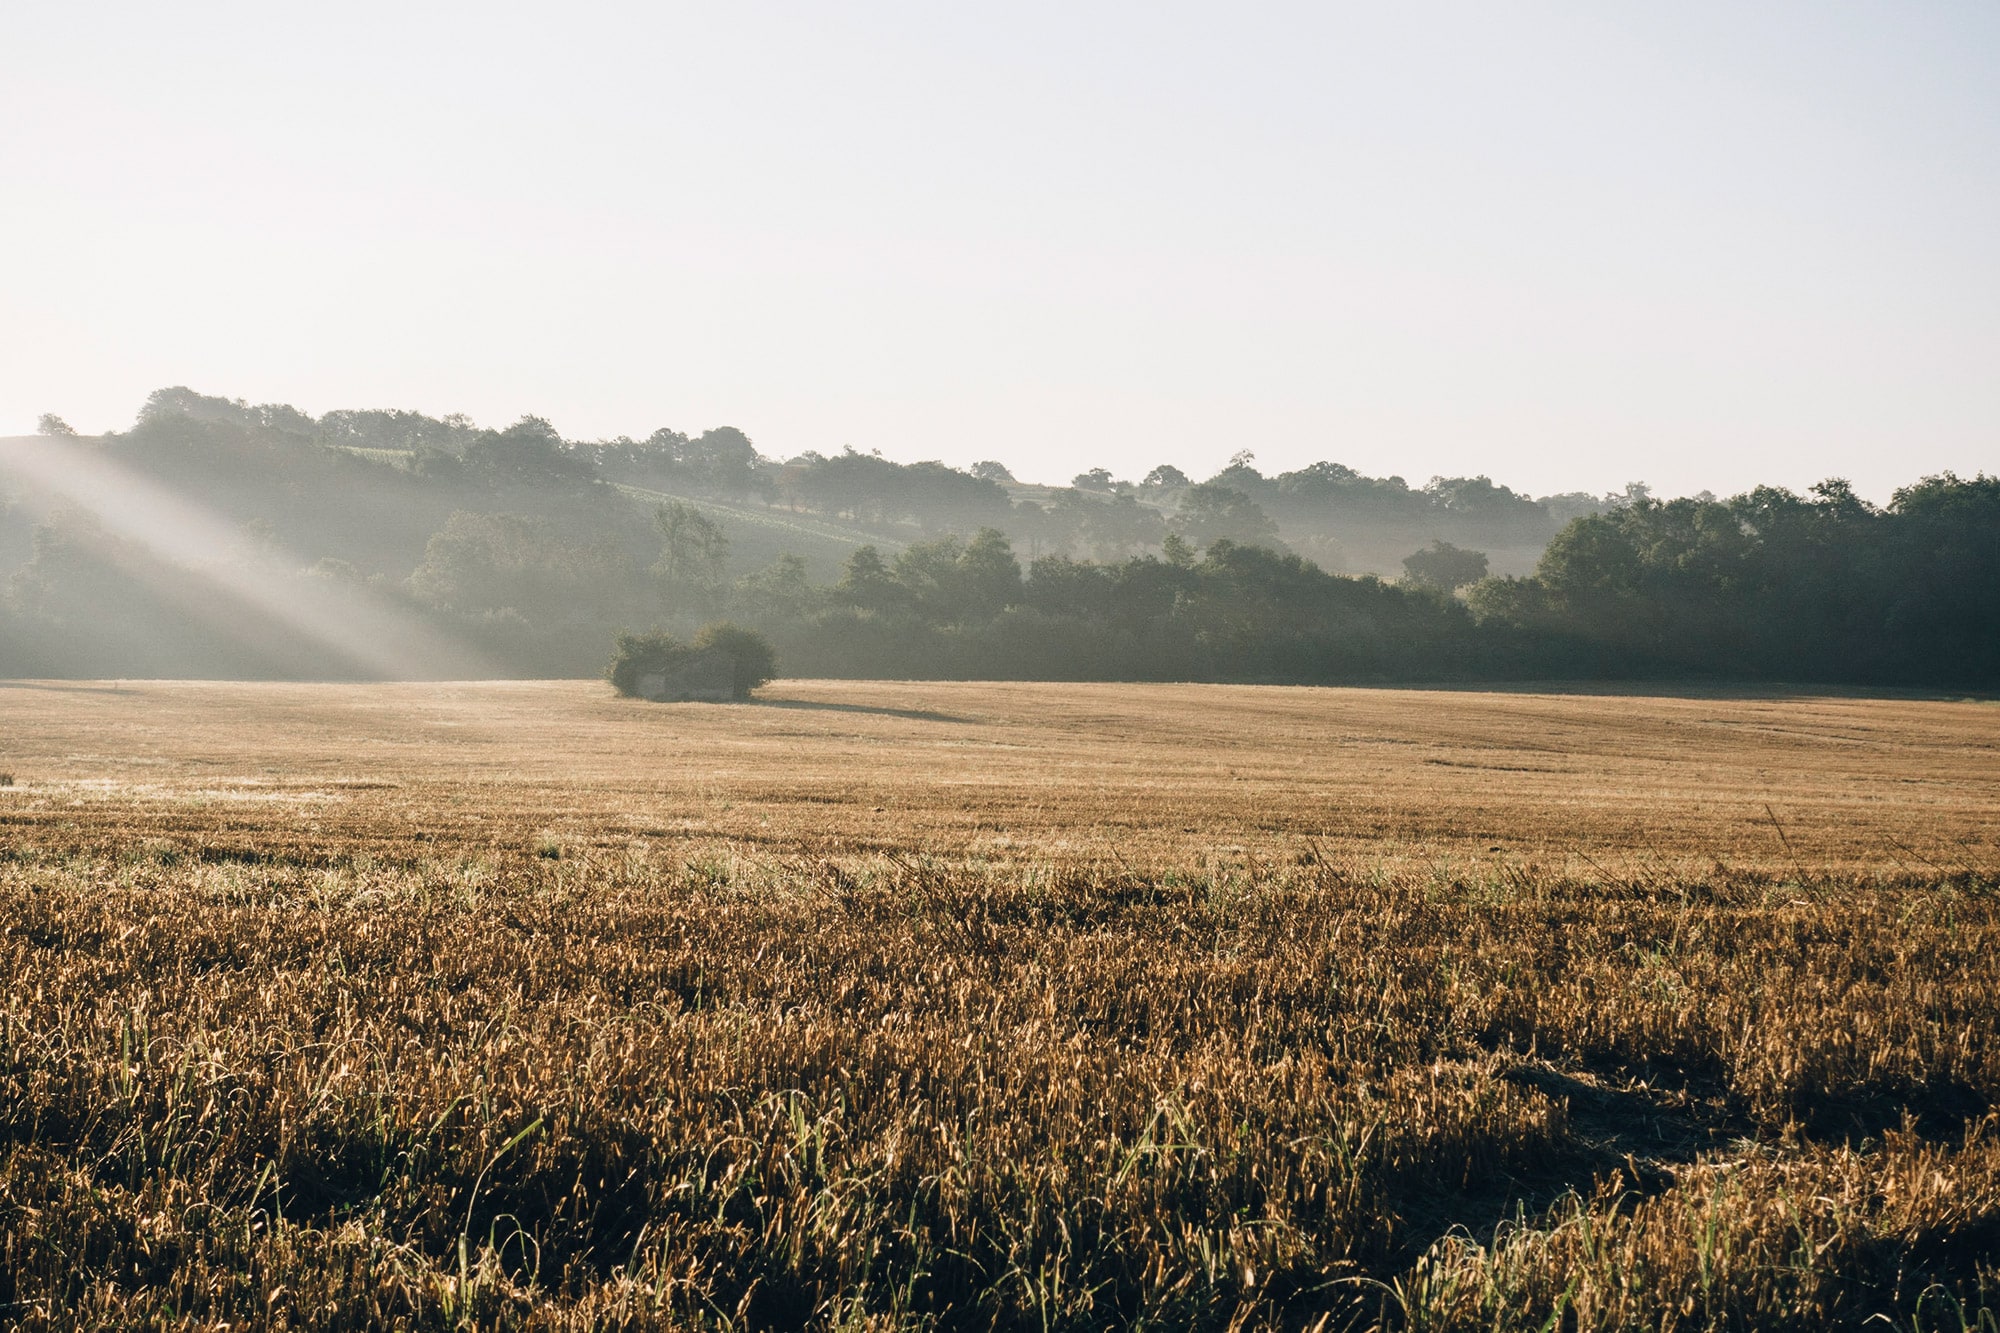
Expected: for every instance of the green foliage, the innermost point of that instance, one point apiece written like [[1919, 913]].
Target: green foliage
[[489, 562], [1215, 511], [1241, 474], [397, 431], [868, 584], [1444, 567], [638, 655], [872, 489], [756, 661], [693, 552], [527, 453], [504, 541], [1108, 527], [1773, 584], [779, 591], [1478, 498], [953, 581], [718, 462]]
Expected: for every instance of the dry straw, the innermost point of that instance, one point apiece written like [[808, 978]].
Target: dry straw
[[363, 1058]]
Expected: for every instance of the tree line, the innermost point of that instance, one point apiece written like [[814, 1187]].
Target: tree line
[[1342, 519], [536, 552]]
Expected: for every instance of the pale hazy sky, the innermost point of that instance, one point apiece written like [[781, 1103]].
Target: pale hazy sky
[[1570, 245]]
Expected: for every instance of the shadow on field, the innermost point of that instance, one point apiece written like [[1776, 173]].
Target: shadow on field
[[1938, 1109], [1953, 1254], [1699, 689], [1641, 1135], [1645, 1134], [1641, 1127], [814, 706], [1670, 1122]]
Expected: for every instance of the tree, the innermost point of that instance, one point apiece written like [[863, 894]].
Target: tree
[[1573, 505], [1211, 512], [951, 581], [1444, 567], [1065, 519], [866, 487], [1165, 477], [693, 550], [722, 460], [778, 591], [867, 583], [942, 498], [1121, 525], [988, 470], [1837, 500], [989, 574], [51, 424], [528, 453], [480, 563], [1492, 512], [1058, 585], [1241, 474], [1096, 479], [411, 432], [181, 401]]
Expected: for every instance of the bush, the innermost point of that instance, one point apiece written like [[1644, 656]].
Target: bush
[[638, 655], [756, 662]]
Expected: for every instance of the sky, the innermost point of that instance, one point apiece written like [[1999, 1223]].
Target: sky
[[1704, 245]]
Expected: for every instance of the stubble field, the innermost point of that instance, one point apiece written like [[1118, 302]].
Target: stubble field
[[1015, 1006]]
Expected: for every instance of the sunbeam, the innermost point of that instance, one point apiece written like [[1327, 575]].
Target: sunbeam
[[360, 632]]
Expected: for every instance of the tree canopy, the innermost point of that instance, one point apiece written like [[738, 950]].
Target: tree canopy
[[528, 550]]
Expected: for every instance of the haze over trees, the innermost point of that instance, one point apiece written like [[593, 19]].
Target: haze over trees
[[1444, 567], [217, 537]]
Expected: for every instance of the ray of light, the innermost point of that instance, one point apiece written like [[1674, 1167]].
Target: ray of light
[[360, 631]]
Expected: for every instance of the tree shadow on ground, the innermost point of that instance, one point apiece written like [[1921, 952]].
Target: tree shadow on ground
[[1672, 688], [1645, 1132], [815, 706]]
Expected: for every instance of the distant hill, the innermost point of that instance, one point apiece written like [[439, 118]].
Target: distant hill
[[222, 538]]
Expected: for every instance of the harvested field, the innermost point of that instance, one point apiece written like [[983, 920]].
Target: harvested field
[[1017, 1006], [1157, 775]]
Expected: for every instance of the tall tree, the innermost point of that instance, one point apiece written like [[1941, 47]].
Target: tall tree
[[693, 553]]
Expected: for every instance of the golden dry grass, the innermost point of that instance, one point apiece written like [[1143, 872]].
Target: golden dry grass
[[1014, 1006], [1153, 774]]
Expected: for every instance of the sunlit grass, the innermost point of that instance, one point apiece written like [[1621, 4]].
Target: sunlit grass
[[622, 1042]]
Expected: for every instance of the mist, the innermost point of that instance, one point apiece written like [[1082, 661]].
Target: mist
[[222, 539]]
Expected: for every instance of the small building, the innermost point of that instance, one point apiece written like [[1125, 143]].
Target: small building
[[708, 676]]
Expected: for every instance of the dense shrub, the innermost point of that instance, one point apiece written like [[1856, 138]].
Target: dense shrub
[[638, 655], [756, 662]]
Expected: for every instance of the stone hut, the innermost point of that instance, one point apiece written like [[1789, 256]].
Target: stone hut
[[708, 676]]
